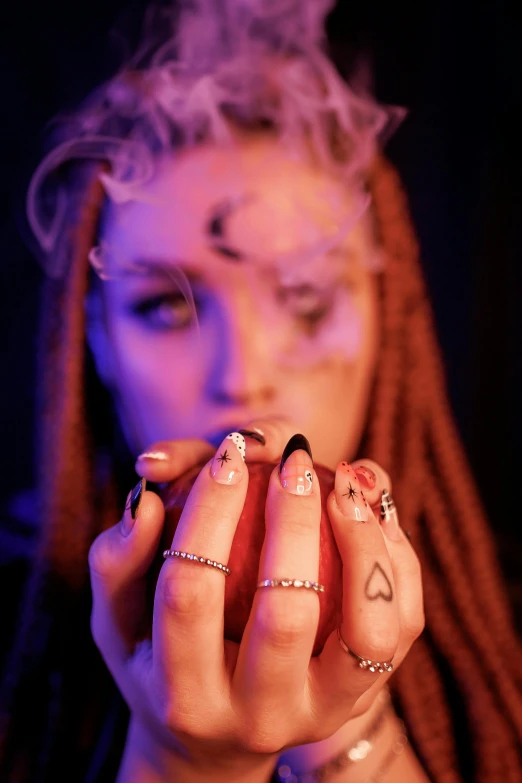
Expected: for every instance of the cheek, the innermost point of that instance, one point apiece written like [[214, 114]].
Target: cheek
[[332, 398], [154, 372]]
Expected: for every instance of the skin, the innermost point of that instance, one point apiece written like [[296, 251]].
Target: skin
[[204, 707], [235, 375]]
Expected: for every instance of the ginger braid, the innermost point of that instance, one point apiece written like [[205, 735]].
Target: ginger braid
[[411, 432], [56, 605]]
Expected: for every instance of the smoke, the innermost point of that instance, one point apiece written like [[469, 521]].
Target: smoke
[[204, 68]]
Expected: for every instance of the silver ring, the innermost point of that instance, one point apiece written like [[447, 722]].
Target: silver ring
[[305, 584], [197, 559], [365, 663]]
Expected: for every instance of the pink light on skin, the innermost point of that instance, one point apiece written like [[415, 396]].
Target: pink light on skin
[[329, 227], [254, 356]]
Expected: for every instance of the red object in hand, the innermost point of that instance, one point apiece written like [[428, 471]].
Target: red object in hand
[[240, 586]]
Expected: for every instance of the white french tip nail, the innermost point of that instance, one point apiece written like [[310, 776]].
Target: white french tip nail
[[157, 455]]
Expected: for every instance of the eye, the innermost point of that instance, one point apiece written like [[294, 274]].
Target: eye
[[306, 303], [164, 311]]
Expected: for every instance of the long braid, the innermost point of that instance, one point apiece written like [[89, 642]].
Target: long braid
[[419, 446], [70, 520]]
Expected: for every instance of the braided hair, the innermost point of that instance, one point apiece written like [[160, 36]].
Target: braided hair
[[459, 689]]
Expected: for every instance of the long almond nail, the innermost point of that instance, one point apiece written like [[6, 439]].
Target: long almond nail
[[133, 503], [390, 518], [296, 468], [228, 464], [255, 434], [349, 495]]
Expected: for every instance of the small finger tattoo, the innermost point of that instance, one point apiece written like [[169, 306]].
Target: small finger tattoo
[[378, 585]]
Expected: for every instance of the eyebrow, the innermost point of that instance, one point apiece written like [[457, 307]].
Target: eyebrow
[[153, 267]]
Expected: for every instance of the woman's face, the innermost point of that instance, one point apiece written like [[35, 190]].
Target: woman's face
[[284, 330]]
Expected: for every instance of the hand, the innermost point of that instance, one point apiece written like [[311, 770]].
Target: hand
[[229, 706]]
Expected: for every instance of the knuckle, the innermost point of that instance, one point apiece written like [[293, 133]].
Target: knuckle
[[193, 721], [101, 555], [260, 743], [185, 596], [413, 625], [262, 734], [283, 624], [378, 644], [300, 524]]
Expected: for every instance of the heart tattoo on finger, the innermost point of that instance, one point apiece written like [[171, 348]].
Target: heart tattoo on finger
[[378, 585]]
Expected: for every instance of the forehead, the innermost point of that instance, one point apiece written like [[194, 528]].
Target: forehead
[[279, 200]]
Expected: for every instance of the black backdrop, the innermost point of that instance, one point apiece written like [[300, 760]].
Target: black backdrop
[[457, 67]]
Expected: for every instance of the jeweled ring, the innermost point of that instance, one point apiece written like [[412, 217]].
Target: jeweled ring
[[365, 663], [305, 584], [197, 559]]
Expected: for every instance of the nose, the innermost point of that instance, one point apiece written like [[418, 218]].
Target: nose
[[242, 371]]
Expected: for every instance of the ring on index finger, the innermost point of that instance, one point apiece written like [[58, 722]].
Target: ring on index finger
[[196, 559]]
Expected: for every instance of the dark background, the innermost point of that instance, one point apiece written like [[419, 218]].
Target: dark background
[[457, 67]]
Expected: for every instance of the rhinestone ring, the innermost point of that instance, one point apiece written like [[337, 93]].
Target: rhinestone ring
[[306, 584], [365, 663], [197, 559]]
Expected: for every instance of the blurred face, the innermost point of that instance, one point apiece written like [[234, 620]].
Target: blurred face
[[287, 320]]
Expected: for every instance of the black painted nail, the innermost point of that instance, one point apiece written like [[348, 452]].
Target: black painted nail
[[296, 442], [254, 435], [136, 496], [133, 502]]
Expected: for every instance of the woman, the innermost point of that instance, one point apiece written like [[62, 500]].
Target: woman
[[247, 263]]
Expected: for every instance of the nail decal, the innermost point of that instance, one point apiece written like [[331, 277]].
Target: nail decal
[[389, 517], [349, 495], [255, 435], [378, 585], [367, 477], [227, 465], [295, 469]]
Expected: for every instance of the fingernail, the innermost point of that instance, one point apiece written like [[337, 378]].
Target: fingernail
[[228, 464], [348, 493], [157, 455], [255, 435], [295, 470], [390, 518], [133, 503], [367, 477]]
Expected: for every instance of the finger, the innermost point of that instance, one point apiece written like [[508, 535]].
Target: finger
[[370, 626], [166, 460], [189, 604], [273, 659], [373, 480], [407, 577], [119, 560]]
